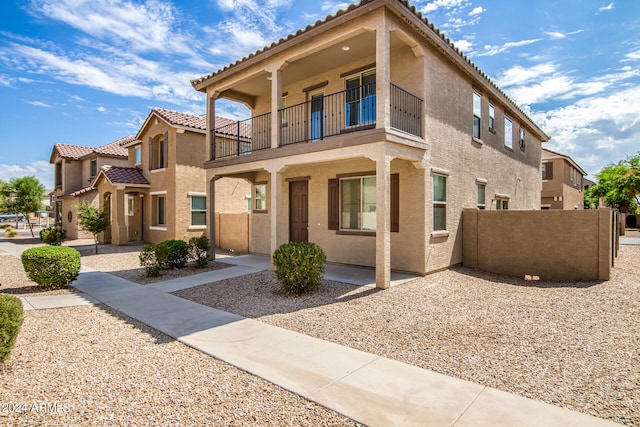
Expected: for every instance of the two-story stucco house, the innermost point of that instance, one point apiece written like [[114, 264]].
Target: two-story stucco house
[[160, 194], [562, 182], [369, 133], [75, 167]]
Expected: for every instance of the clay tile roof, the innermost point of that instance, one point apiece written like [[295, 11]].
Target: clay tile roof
[[124, 175], [68, 151], [81, 191], [115, 148], [176, 118]]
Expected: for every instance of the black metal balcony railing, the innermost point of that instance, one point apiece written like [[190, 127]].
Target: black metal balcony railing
[[323, 116], [242, 137]]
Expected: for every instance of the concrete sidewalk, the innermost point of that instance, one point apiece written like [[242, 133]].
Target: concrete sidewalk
[[370, 389]]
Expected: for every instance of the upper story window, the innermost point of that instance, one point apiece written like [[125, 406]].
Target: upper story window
[[138, 154], [158, 151], [260, 197], [521, 139], [508, 133], [477, 113], [93, 168], [58, 175], [358, 203], [360, 98], [492, 118]]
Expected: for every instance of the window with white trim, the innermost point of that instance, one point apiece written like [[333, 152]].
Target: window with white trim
[[138, 151], [508, 133], [502, 204], [439, 202], [477, 114], [492, 118], [358, 203], [198, 210], [159, 210], [93, 166], [260, 197], [482, 195], [131, 206], [521, 141]]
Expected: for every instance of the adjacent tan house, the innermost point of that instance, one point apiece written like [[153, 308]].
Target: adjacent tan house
[[369, 134], [75, 167], [562, 182], [160, 194]]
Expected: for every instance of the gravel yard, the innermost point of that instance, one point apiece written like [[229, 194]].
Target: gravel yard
[[575, 345]]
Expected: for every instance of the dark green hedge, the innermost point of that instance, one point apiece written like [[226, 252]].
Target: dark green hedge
[[299, 266], [10, 322], [51, 267]]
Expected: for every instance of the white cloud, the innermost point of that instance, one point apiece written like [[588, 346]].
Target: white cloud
[[632, 56], [558, 35], [446, 4], [39, 104], [477, 11], [334, 6], [490, 50], [604, 8], [519, 75], [464, 45], [41, 169]]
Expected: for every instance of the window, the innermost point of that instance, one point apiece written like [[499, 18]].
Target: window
[[58, 176], [439, 202], [358, 203], [481, 196], [138, 155], [477, 113], [502, 204], [283, 110], [522, 147], [361, 99], [547, 171], [260, 197], [93, 168], [158, 155], [492, 118], [198, 210], [508, 133], [131, 206], [159, 206]]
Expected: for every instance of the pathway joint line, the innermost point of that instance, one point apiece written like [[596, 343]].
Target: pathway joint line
[[484, 387], [344, 376]]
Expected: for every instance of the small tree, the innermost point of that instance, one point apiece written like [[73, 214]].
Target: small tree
[[21, 196], [92, 219]]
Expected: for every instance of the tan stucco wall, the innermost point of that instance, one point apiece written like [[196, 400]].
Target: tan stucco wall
[[553, 245], [232, 231], [559, 192], [70, 204]]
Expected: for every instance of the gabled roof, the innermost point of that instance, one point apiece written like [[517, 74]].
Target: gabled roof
[[433, 34], [122, 175], [76, 152], [176, 119], [553, 154]]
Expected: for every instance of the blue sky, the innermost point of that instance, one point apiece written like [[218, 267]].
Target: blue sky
[[88, 72]]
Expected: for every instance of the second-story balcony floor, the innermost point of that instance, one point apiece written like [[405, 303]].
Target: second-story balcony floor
[[321, 118]]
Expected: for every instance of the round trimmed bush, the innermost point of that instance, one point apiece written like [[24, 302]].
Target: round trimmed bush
[[51, 267], [299, 266], [53, 236], [172, 254], [10, 322]]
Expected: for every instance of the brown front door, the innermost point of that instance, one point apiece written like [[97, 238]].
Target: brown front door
[[299, 211]]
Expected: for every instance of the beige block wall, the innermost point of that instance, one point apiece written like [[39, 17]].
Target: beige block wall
[[232, 231], [553, 245], [231, 195]]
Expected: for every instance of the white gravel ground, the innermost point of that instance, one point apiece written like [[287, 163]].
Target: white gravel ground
[[575, 345]]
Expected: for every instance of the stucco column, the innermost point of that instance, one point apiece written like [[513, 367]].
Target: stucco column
[[211, 123], [275, 203], [119, 235], [383, 75], [211, 215], [383, 221], [276, 95]]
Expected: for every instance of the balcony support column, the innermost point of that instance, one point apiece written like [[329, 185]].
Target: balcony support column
[[276, 95], [119, 234], [383, 75], [383, 220], [276, 216], [211, 125]]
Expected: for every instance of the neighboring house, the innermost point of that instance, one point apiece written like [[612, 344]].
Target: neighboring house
[[75, 167], [369, 133], [161, 193], [562, 182]]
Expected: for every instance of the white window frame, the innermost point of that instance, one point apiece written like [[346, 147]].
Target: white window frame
[[192, 197], [508, 133], [365, 221], [260, 195], [482, 205], [131, 208], [477, 115], [439, 203], [155, 200], [138, 154]]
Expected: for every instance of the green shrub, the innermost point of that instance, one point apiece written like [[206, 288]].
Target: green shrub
[[149, 260], [299, 266], [51, 267], [10, 232], [172, 254], [53, 236], [199, 250], [10, 322]]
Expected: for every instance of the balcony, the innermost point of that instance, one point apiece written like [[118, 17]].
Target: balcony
[[324, 116]]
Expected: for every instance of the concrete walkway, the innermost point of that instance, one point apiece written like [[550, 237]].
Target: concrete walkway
[[370, 389]]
